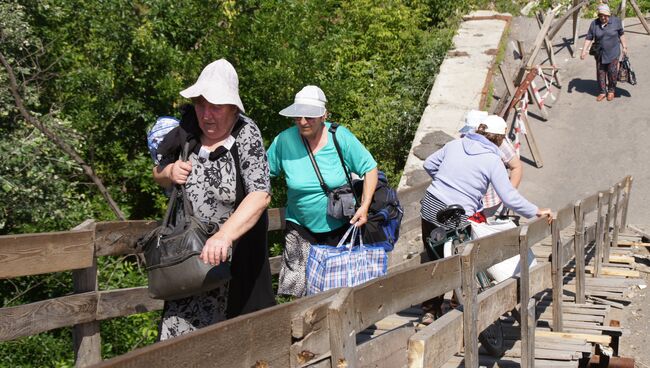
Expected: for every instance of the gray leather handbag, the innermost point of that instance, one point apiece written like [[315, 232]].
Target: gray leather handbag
[[172, 252]]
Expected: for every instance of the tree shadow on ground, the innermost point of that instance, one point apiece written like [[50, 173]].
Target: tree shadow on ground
[[590, 86]]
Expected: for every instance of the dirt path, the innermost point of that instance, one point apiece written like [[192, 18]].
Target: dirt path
[[587, 145]]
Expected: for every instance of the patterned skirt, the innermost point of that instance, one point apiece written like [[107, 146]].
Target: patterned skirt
[[293, 273], [185, 315]]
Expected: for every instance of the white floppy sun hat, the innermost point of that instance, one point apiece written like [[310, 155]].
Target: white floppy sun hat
[[308, 103], [218, 84], [495, 124]]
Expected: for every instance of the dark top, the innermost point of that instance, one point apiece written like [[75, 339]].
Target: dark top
[[216, 187], [608, 37]]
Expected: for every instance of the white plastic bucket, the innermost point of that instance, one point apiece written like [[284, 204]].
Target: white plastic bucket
[[509, 267]]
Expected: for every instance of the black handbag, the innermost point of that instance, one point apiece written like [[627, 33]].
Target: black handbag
[[625, 72], [594, 50], [172, 251], [341, 201]]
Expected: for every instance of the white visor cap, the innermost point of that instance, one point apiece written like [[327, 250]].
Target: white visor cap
[[308, 103], [472, 119], [495, 124], [218, 84]]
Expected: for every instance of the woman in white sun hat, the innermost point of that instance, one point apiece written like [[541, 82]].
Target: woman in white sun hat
[[461, 172], [227, 181], [306, 211], [607, 33]]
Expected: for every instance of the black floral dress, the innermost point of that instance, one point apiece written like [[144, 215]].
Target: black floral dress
[[217, 184]]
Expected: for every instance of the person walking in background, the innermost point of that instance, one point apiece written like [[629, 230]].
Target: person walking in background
[[606, 34], [306, 210], [227, 181]]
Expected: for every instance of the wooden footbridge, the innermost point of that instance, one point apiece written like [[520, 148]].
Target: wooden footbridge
[[563, 302]]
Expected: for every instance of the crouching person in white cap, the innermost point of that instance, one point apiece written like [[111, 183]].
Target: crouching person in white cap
[[308, 221], [461, 171], [227, 181], [492, 205]]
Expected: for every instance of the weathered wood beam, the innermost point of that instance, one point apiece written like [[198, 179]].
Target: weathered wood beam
[[33, 254], [435, 344]]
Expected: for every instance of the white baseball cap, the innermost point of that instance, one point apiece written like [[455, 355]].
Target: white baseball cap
[[218, 84], [495, 124], [308, 103], [472, 120]]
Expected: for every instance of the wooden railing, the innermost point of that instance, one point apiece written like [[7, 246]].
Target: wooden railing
[[319, 330]]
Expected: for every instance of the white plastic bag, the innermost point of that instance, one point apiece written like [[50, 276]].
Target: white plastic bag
[[509, 267]]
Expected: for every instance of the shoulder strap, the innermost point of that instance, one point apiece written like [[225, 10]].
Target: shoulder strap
[[315, 166], [240, 188], [332, 130]]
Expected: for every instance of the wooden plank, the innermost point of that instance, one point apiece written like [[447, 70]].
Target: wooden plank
[[598, 339], [541, 353], [435, 344], [537, 45], [564, 217], [600, 232], [540, 277], [496, 248], [86, 337], [626, 203], [470, 305], [125, 302], [496, 301], [579, 246], [548, 317], [277, 219], [621, 259], [608, 220], [617, 203], [311, 329], [568, 250], [256, 338], [530, 137], [120, 237], [33, 254], [594, 326], [589, 204], [524, 298], [640, 15], [577, 5], [406, 288], [342, 332], [33, 318], [608, 271], [528, 355], [509, 362], [557, 276], [537, 230], [548, 45], [276, 264], [544, 349], [387, 350]]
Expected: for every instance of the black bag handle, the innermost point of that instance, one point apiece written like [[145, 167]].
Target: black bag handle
[[315, 166], [348, 177], [174, 197]]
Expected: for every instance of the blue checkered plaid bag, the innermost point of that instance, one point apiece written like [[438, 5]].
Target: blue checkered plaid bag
[[345, 265]]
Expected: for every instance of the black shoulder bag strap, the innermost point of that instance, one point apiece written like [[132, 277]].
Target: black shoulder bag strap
[[348, 177], [315, 166], [240, 187]]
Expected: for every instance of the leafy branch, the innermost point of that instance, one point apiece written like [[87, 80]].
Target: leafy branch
[[69, 150]]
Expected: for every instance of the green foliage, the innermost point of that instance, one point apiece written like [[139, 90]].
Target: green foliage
[[98, 73]]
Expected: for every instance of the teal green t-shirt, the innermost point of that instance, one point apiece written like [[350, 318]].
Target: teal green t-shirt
[[306, 200]]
